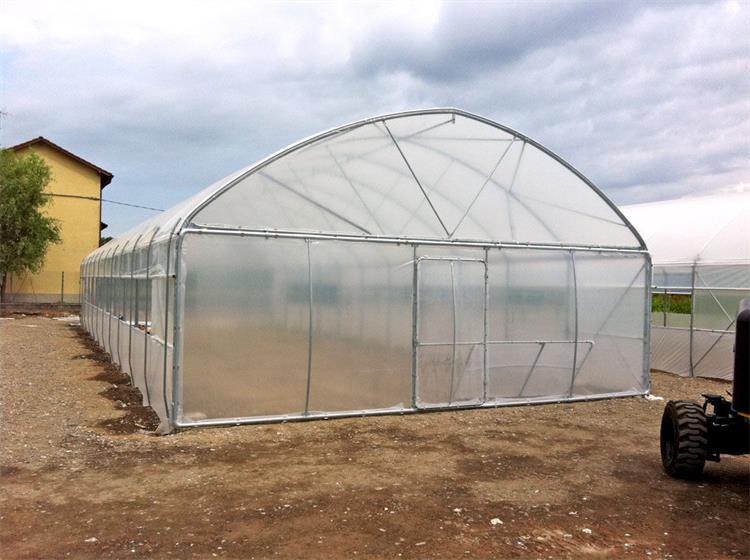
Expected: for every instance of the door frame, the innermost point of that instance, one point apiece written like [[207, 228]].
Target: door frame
[[416, 343]]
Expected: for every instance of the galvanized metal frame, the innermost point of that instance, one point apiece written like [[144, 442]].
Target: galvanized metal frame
[[692, 290], [575, 324], [176, 420], [416, 343], [147, 317], [648, 307], [692, 318], [183, 227], [451, 111], [134, 305]]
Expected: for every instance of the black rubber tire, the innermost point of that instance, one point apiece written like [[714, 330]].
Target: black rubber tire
[[684, 439]]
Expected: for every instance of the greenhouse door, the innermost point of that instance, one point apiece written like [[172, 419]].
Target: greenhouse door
[[450, 338]]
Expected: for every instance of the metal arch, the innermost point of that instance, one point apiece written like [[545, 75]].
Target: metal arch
[[117, 280], [147, 316], [169, 413], [133, 306], [187, 218], [108, 309]]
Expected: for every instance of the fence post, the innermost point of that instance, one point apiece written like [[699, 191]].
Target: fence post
[[62, 287], [692, 318]]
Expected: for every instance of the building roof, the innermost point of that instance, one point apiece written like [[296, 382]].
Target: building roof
[[106, 176]]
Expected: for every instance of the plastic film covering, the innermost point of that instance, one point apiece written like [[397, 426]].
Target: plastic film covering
[[612, 303], [450, 329], [441, 175], [361, 327], [420, 260], [246, 325], [326, 327], [531, 324], [670, 349], [335, 314], [710, 262], [717, 294], [120, 299]]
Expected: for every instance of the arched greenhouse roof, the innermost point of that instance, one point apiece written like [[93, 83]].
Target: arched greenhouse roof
[[439, 174]]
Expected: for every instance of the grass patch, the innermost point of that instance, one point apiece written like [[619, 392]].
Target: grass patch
[[671, 303]]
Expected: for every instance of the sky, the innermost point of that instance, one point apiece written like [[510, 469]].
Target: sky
[[649, 100]]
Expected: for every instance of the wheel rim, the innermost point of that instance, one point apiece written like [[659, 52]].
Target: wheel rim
[[668, 447]]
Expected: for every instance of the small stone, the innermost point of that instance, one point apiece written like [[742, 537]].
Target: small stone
[[587, 530], [496, 521], [92, 540]]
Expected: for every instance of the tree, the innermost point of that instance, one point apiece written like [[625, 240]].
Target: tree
[[25, 232]]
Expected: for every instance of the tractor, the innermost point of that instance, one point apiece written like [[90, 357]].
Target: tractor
[[692, 434]]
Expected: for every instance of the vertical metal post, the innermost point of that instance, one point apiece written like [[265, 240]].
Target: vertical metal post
[[133, 297], [116, 299], [177, 320], [453, 353], [575, 323], [647, 323], [414, 332], [692, 318], [97, 296], [82, 319], [486, 319], [62, 287], [110, 301], [309, 328], [147, 317], [169, 413]]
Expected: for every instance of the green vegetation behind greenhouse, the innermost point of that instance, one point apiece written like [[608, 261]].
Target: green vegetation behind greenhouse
[[671, 303]]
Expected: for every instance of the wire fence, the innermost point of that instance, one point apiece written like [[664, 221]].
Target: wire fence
[[47, 286]]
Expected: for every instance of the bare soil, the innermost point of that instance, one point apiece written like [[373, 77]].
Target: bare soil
[[83, 476]]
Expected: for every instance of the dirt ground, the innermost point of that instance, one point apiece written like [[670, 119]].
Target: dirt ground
[[83, 477]]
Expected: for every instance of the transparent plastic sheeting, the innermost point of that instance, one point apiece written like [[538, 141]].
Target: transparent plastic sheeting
[[327, 327], [700, 343], [418, 260], [430, 176], [710, 261], [440, 174]]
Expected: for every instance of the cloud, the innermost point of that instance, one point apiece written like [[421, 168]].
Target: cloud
[[648, 100]]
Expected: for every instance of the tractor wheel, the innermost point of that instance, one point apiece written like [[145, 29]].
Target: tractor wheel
[[684, 439]]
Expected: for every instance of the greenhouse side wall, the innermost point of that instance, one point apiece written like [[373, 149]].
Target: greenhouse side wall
[[124, 308], [288, 328], [699, 343]]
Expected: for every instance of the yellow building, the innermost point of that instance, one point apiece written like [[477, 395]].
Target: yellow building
[[76, 188]]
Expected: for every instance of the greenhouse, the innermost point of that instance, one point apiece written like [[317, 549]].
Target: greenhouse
[[408, 262], [700, 248]]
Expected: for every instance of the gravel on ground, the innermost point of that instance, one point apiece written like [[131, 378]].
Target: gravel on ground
[[82, 475]]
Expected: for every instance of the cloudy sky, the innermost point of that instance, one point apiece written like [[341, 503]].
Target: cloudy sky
[[649, 100]]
